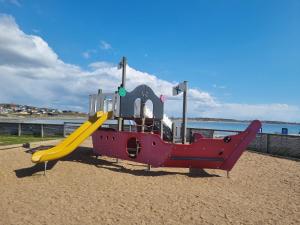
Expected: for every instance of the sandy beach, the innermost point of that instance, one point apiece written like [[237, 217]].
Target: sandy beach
[[81, 189]]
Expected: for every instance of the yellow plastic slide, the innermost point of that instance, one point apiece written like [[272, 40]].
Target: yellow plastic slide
[[70, 143]]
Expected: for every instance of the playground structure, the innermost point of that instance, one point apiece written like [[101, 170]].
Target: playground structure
[[152, 141]]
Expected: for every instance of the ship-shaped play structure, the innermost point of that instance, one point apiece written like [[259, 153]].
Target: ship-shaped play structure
[[151, 140]]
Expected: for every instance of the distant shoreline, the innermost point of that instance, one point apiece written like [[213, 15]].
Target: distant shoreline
[[72, 117], [60, 117]]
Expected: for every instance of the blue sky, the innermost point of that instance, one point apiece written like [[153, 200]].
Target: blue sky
[[241, 52]]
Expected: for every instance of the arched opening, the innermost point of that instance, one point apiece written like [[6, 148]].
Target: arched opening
[[148, 110], [133, 147], [137, 108]]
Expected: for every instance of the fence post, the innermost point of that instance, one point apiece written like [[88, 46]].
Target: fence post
[[64, 129], [19, 129], [191, 138], [42, 130], [161, 129], [268, 142], [173, 132]]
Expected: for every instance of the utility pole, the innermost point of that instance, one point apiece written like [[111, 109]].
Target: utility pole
[[184, 119], [122, 65], [182, 87]]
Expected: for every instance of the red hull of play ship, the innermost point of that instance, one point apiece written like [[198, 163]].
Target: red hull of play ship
[[150, 149]]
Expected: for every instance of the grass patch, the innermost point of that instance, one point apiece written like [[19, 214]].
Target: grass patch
[[13, 139]]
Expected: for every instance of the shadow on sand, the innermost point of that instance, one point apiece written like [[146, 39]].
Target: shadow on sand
[[85, 155], [34, 170], [37, 169]]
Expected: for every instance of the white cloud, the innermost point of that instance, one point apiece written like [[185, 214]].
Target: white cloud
[[32, 73], [104, 45], [98, 65]]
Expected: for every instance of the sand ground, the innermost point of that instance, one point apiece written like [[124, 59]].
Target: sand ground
[[81, 189]]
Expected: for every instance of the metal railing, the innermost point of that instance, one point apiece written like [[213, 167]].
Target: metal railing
[[103, 102], [275, 144]]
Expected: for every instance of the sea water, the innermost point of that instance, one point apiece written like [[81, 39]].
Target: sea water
[[273, 128]]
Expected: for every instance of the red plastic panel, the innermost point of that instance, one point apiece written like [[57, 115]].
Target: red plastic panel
[[203, 153], [153, 151], [213, 153]]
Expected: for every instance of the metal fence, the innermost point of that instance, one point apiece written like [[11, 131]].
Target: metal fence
[[33, 129], [275, 144]]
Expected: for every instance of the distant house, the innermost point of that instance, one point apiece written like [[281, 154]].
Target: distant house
[[52, 114], [24, 113]]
